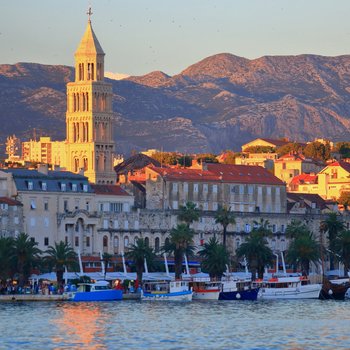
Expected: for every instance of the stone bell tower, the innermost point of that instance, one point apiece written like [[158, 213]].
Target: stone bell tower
[[89, 138]]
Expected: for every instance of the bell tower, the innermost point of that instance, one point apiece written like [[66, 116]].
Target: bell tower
[[89, 129]]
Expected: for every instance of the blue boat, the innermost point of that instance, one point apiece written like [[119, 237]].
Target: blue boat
[[237, 289], [97, 291], [166, 290]]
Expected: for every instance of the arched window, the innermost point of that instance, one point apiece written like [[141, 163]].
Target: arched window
[[85, 164], [156, 244], [135, 239], [147, 241], [238, 242], [105, 241], [116, 245], [167, 240], [126, 242], [76, 165]]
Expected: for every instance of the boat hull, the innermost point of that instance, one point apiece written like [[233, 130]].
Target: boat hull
[[333, 291], [249, 294], [304, 292], [175, 296], [206, 295], [103, 295]]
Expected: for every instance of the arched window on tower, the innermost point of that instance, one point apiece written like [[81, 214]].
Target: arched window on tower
[[87, 101], [147, 241], [85, 164], [105, 244], [116, 245], [76, 165], [156, 244]]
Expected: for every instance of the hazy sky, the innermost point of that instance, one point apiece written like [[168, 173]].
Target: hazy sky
[[140, 36]]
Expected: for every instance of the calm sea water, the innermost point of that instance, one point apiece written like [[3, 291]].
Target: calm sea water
[[309, 324]]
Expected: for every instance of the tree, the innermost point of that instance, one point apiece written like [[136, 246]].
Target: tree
[[318, 150], [230, 157], [291, 147], [138, 252], [207, 158], [295, 229], [260, 149], [180, 243], [257, 252], [185, 161], [106, 258], [332, 225], [169, 158], [344, 199], [342, 248], [189, 213], [303, 249], [224, 217], [59, 256], [26, 256], [215, 258], [262, 227], [6, 257], [343, 148]]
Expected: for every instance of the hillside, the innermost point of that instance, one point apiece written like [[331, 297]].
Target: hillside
[[218, 103]]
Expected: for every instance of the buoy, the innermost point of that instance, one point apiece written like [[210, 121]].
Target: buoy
[[238, 296]]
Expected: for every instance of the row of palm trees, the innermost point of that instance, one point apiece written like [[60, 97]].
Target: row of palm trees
[[20, 255]]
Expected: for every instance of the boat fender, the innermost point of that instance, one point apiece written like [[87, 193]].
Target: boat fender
[[330, 292], [238, 296]]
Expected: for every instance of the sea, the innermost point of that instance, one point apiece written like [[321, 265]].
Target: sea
[[282, 324]]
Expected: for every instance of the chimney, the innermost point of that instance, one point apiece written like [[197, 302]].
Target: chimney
[[43, 169]]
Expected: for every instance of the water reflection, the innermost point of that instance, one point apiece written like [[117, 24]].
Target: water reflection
[[80, 324]]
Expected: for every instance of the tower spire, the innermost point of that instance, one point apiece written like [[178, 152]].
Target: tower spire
[[89, 13]]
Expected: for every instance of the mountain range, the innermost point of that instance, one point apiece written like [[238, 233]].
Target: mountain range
[[219, 103]]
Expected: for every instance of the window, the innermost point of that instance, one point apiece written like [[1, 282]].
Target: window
[[147, 241], [175, 187], [32, 204], [115, 224], [30, 185], [116, 245], [116, 207], [74, 187], [185, 187], [85, 188], [274, 228], [4, 206], [76, 241], [105, 223], [250, 190], [156, 244], [175, 205], [44, 186], [63, 187], [126, 242], [259, 190], [241, 189], [46, 204], [205, 206], [16, 220], [215, 188], [76, 204], [136, 225], [126, 224], [88, 241], [65, 205], [205, 187], [283, 228], [105, 241], [195, 188], [215, 206], [66, 239], [46, 241], [46, 222], [32, 222], [268, 191], [277, 191], [247, 228], [87, 206]]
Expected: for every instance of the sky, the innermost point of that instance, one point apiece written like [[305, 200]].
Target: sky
[[140, 36]]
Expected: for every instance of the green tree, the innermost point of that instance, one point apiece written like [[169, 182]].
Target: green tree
[[343, 148], [138, 252], [332, 225], [224, 217], [26, 256], [344, 199], [230, 157], [180, 243], [302, 250], [257, 252], [59, 256], [292, 147], [342, 248], [207, 158], [168, 158], [260, 149], [189, 213], [6, 257], [215, 258], [318, 150], [296, 228], [107, 259], [185, 161]]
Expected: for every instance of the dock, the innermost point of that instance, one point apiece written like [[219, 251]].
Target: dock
[[32, 297]]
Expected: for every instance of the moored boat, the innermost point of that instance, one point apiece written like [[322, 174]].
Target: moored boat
[[97, 291], [234, 288], [204, 288], [334, 289], [292, 287], [166, 290]]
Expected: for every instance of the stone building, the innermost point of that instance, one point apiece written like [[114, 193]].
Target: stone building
[[242, 188], [11, 217]]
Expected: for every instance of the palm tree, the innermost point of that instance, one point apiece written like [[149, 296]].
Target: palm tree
[[215, 257], [342, 248], [106, 259], [138, 252], [6, 256], [224, 217], [180, 243], [257, 252], [332, 225], [302, 250], [59, 256], [26, 255], [189, 213], [296, 228]]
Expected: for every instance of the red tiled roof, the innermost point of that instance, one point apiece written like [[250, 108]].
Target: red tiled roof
[[343, 165], [223, 173], [111, 190], [9, 201], [304, 179]]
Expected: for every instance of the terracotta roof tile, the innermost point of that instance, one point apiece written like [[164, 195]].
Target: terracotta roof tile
[[304, 179], [9, 201]]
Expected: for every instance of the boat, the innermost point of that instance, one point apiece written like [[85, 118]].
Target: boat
[[204, 288], [178, 290], [234, 288], [96, 291], [334, 289], [288, 287]]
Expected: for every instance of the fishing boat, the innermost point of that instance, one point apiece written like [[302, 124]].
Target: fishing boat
[[204, 288], [334, 289], [288, 287], [234, 288], [166, 290], [96, 291]]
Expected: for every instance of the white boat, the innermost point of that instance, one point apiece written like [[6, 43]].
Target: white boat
[[166, 290], [296, 287], [204, 288]]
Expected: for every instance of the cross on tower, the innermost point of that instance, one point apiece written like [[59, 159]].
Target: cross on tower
[[89, 13]]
